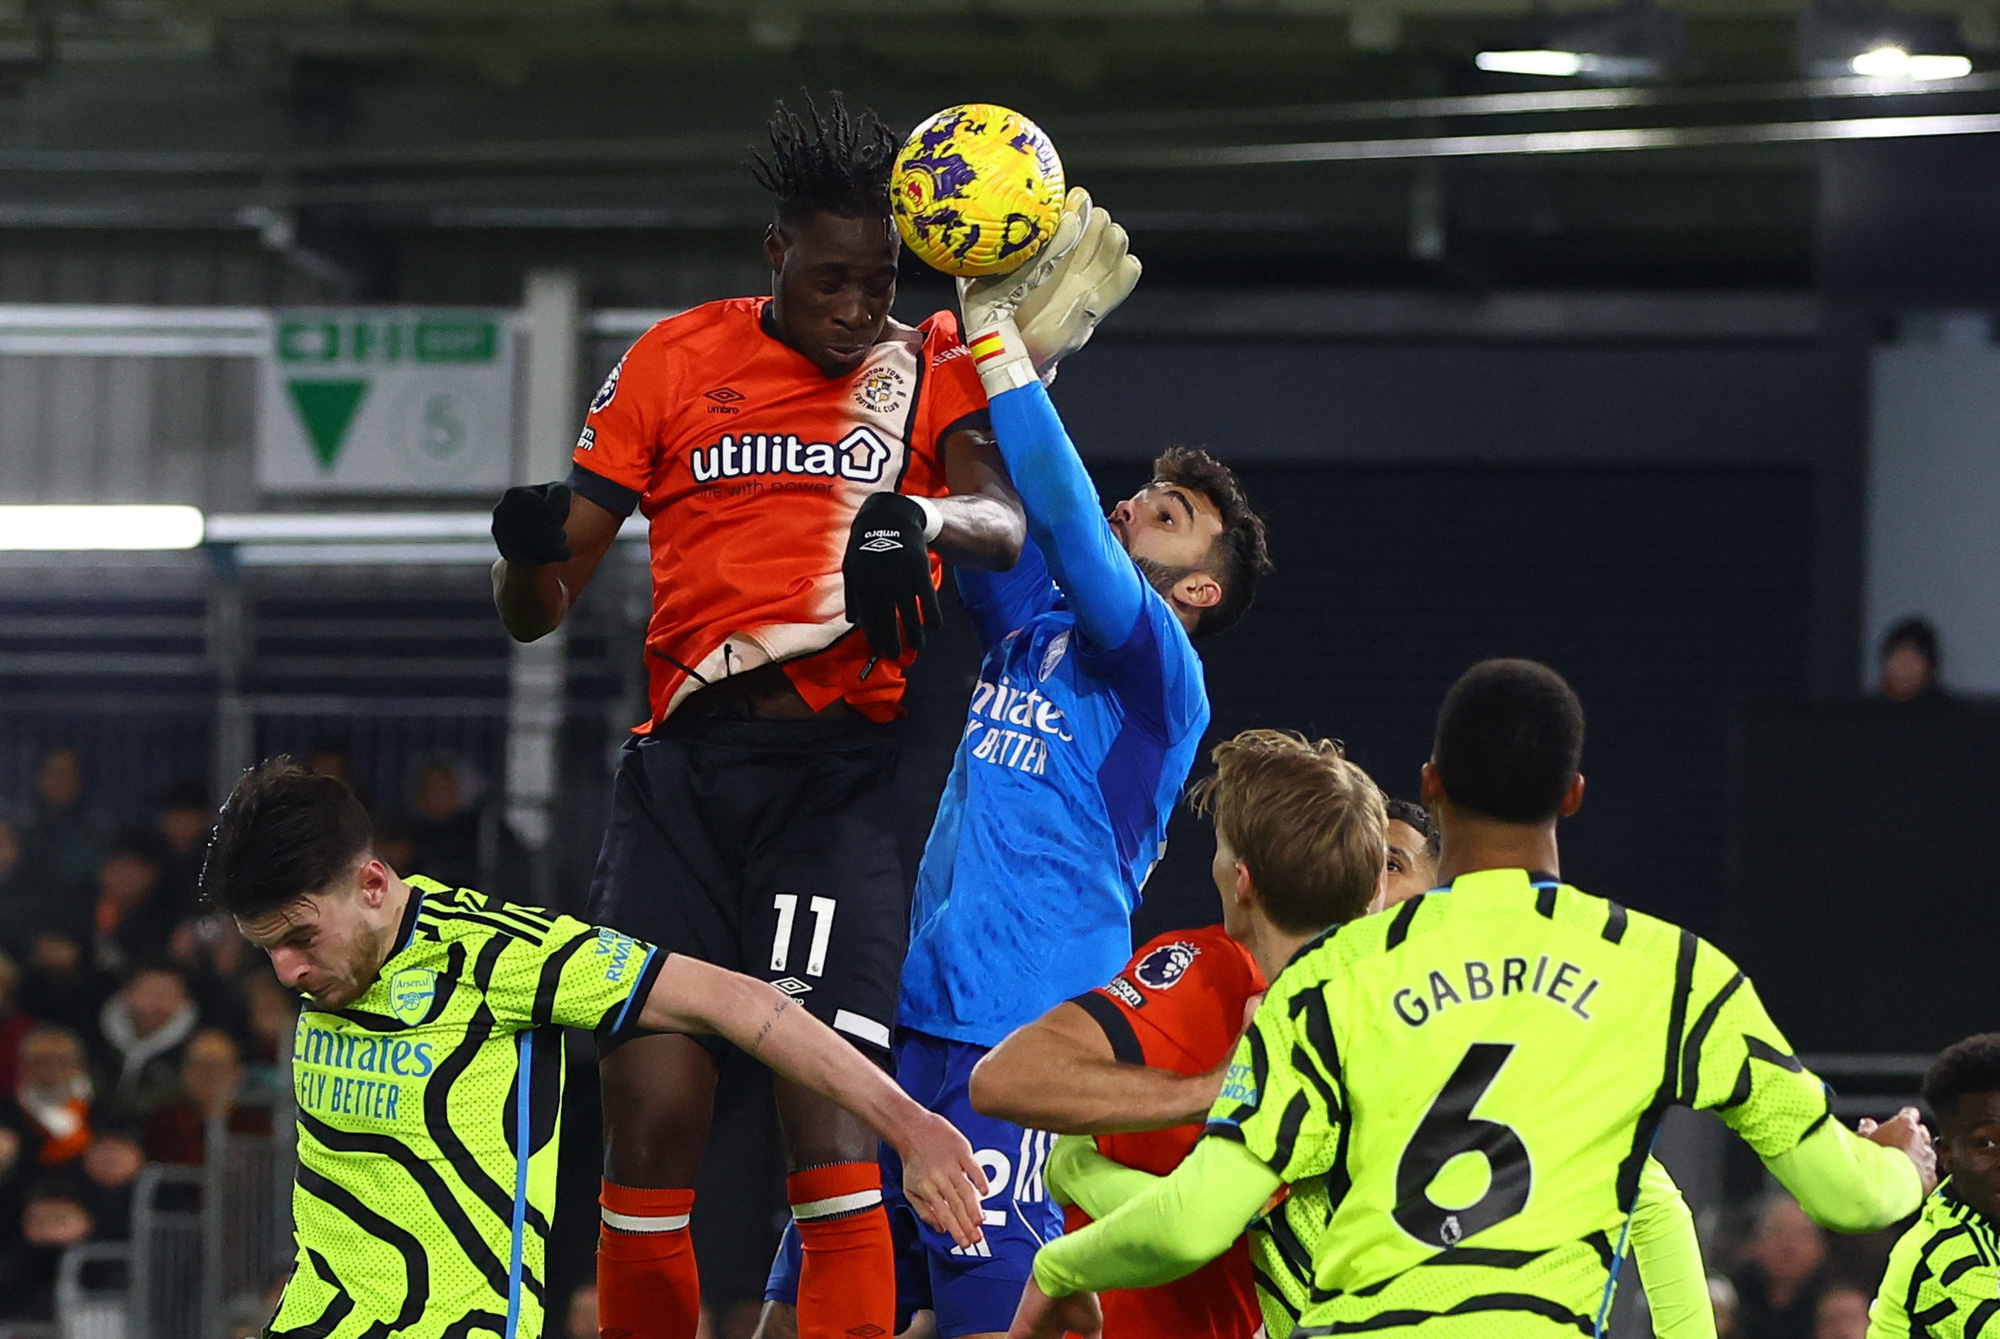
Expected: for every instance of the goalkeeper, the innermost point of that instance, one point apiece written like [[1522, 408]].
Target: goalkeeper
[[1477, 1077], [428, 1067]]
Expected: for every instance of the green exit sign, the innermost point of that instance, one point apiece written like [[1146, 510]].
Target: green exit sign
[[389, 340]]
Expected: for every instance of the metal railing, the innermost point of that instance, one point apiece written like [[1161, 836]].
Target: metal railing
[[201, 1236]]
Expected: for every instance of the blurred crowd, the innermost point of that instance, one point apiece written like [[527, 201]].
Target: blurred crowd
[[1790, 1280], [132, 1022]]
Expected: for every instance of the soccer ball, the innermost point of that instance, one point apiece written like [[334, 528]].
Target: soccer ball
[[977, 189]]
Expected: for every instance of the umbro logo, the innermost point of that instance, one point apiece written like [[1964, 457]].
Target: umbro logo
[[791, 985], [882, 544], [723, 395]]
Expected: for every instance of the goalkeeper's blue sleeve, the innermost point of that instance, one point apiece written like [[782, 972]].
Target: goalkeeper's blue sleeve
[[1065, 518]]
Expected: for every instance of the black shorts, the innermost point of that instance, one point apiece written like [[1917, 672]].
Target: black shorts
[[767, 847]]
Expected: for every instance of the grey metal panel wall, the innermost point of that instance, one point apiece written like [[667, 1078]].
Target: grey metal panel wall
[[181, 268], [125, 429]]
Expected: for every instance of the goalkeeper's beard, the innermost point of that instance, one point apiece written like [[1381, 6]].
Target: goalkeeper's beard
[[1162, 577]]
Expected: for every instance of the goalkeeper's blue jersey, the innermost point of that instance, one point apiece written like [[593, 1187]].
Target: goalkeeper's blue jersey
[[1070, 764]]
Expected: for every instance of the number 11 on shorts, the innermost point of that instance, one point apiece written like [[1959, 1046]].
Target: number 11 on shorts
[[787, 907]]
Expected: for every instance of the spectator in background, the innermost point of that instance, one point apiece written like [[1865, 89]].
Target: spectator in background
[[1842, 1313], [209, 953], [274, 1013], [51, 1105], [144, 1029], [16, 1166], [1784, 1273], [1722, 1300], [445, 833], [130, 918], [581, 1319], [14, 1024], [335, 758], [1909, 662], [184, 819], [395, 845], [61, 986], [20, 903], [65, 838], [211, 1082]]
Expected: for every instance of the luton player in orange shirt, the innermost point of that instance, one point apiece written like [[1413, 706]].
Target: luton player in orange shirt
[[804, 462]]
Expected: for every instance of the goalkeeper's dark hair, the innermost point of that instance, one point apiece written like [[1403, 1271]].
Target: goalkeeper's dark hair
[[1969, 1066], [1509, 741], [284, 832], [830, 161], [1240, 554]]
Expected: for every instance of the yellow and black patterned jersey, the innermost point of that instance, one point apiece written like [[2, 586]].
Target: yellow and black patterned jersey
[[428, 1120], [1462, 1095], [1943, 1280]]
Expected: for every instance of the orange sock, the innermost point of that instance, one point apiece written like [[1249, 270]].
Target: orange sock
[[647, 1285], [847, 1274]]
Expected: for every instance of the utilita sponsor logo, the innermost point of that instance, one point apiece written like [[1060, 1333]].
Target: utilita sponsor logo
[[860, 456]]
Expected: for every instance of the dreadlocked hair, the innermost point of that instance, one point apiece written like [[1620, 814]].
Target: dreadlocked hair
[[832, 162]]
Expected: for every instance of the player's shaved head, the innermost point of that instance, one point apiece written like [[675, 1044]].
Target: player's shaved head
[[1509, 741], [284, 833]]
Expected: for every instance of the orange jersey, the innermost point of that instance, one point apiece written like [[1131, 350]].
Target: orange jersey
[[749, 463], [1178, 1005]]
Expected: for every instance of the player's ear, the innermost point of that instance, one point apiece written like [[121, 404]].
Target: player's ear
[[776, 243], [1429, 788], [1573, 797], [372, 881], [1198, 590], [1246, 887]]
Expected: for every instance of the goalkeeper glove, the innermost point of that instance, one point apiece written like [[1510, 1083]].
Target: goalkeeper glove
[[1021, 324], [1087, 285], [887, 573], [528, 524]]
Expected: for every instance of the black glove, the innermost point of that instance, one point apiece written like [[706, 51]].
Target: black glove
[[528, 524], [888, 572]]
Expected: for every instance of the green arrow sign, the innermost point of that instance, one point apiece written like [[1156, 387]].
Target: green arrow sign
[[327, 409]]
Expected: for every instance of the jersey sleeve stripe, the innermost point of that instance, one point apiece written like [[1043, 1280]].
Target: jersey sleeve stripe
[[1270, 1289], [1956, 1268], [1399, 929], [1677, 1016], [1289, 1126], [544, 1011], [614, 497], [642, 986], [1390, 1320], [1614, 924], [1975, 1324], [1698, 1034], [1292, 1253], [1125, 1047]]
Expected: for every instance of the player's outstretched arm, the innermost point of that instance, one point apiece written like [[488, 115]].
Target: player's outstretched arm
[[1185, 1220], [1059, 1073], [1668, 1253], [940, 1176], [550, 543], [1078, 1174], [983, 524], [1735, 1062]]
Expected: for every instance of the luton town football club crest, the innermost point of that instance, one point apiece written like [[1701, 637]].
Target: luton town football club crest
[[881, 390], [411, 992]]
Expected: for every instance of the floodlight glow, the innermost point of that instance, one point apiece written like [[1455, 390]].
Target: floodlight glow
[[1883, 62], [1940, 67], [65, 528], [1557, 64]]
